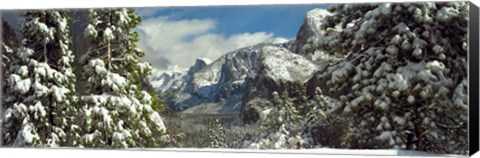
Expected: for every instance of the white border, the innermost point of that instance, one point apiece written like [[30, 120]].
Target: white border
[[220, 153], [53, 153]]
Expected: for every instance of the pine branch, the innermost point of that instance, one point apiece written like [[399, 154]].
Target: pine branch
[[450, 126], [118, 59]]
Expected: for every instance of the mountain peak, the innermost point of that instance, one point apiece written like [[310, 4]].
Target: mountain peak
[[203, 60]]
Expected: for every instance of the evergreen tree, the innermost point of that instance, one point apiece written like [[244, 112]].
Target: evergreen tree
[[322, 126], [404, 82], [40, 109], [117, 113], [8, 46], [281, 126], [217, 135]]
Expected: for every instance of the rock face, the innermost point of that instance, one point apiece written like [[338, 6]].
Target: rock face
[[278, 69], [225, 76], [200, 63], [215, 87], [171, 80], [309, 28]]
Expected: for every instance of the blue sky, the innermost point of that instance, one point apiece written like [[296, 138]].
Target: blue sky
[[282, 20], [181, 34]]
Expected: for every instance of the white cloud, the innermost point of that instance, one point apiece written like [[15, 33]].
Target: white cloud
[[181, 42]]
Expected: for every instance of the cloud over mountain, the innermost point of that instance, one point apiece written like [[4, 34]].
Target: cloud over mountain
[[182, 41]]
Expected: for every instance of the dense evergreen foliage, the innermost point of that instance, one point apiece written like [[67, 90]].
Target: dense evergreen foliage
[[404, 82], [42, 107], [41, 100], [117, 112]]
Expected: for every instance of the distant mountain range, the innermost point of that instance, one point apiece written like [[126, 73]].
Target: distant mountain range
[[243, 76]]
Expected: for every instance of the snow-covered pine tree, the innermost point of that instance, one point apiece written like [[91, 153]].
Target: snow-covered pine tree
[[281, 126], [8, 45], [323, 128], [117, 112], [217, 135], [41, 104], [404, 82]]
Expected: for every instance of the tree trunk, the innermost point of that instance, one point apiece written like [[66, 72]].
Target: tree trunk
[[109, 45], [420, 132]]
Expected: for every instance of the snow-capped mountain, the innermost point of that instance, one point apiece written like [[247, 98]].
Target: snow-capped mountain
[[168, 80], [310, 28], [219, 86], [278, 70]]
